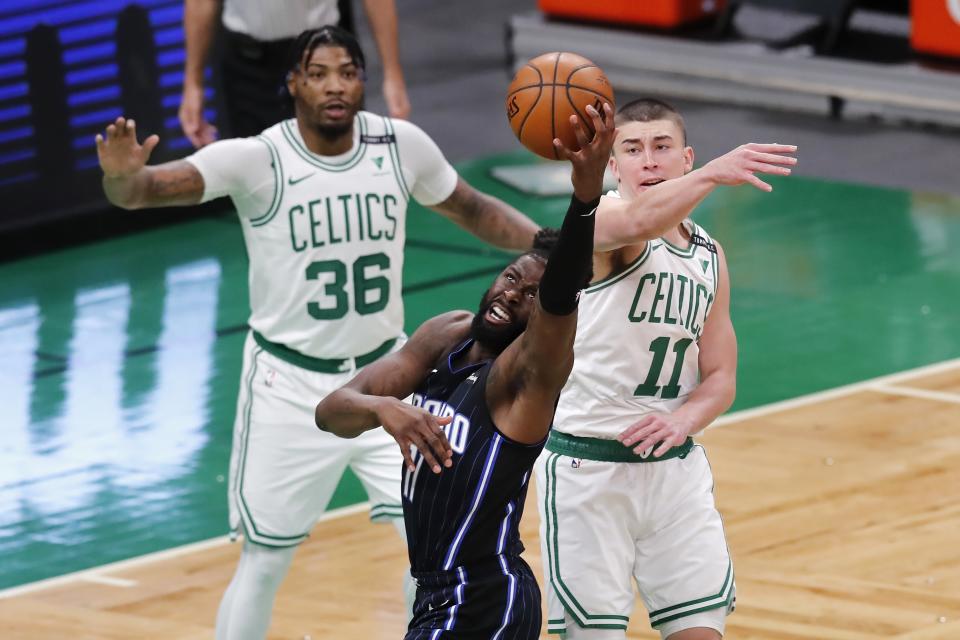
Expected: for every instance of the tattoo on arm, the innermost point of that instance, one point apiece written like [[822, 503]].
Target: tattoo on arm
[[174, 183], [488, 218]]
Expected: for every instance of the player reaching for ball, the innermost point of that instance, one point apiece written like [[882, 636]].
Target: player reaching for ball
[[490, 381], [624, 494]]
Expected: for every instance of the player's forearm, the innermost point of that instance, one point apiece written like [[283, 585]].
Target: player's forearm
[[652, 213], [127, 192], [569, 267], [709, 400], [171, 184], [382, 16], [199, 27], [499, 224], [347, 413]]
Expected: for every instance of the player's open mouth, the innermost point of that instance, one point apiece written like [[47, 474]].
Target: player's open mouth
[[651, 182], [498, 315], [335, 110]]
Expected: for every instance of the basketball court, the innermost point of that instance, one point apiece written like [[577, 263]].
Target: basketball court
[[839, 501], [837, 470]]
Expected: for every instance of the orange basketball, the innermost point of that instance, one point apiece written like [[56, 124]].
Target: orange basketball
[[546, 92]]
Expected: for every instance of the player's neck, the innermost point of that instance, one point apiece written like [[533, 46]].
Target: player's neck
[[476, 353], [322, 144], [678, 236]]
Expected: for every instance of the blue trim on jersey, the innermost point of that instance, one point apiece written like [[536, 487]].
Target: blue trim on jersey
[[511, 594], [456, 352], [504, 527], [448, 625], [477, 499]]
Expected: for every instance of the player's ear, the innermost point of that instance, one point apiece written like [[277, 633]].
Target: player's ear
[[687, 159], [292, 83], [614, 169]]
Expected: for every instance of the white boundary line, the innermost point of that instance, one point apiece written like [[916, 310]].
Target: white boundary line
[[109, 580], [95, 574], [880, 384], [913, 392], [837, 392]]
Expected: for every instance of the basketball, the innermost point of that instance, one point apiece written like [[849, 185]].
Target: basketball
[[546, 91]]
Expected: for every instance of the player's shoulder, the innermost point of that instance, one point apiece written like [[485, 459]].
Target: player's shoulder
[[450, 324], [406, 132], [230, 153], [435, 335]]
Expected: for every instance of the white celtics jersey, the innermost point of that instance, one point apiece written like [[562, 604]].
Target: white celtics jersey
[[325, 235], [637, 343]]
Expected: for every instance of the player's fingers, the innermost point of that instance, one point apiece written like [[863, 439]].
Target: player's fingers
[[150, 144], [772, 158], [562, 152], [407, 456], [770, 169], [772, 148], [666, 445], [423, 445], [641, 434], [758, 183], [774, 170], [99, 140], [437, 441], [111, 132], [579, 132], [632, 430], [651, 440], [598, 124]]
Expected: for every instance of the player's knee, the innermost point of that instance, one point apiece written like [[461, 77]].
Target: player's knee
[[267, 566], [694, 633]]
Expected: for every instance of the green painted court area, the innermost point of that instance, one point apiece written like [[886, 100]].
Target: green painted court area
[[121, 360]]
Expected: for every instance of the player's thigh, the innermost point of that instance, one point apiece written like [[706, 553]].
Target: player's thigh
[[286, 469], [587, 517], [683, 569]]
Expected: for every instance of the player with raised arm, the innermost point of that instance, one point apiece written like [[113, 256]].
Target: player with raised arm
[[485, 386]]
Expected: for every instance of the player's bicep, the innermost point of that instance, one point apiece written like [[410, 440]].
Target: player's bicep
[[399, 373], [542, 357]]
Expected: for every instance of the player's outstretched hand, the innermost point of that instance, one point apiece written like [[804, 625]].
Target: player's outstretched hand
[[412, 426], [590, 161], [119, 153], [740, 165], [663, 428]]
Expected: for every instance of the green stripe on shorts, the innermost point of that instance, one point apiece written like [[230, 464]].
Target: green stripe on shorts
[[570, 603]]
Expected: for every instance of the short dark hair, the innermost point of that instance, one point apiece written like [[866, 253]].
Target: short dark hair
[[325, 36], [649, 109], [543, 242]]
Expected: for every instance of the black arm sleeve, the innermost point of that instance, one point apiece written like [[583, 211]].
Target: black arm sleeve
[[570, 264]]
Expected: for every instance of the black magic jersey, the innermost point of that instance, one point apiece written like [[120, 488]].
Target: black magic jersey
[[470, 512]]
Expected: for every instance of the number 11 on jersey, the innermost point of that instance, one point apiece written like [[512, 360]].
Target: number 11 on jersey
[[659, 346]]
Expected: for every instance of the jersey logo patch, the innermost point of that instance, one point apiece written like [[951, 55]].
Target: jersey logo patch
[[703, 242], [292, 181], [378, 161], [705, 264], [387, 138]]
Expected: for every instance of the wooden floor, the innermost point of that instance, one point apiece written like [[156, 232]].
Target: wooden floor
[[842, 511]]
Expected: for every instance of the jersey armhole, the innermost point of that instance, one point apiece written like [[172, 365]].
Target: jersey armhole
[[395, 158], [267, 216]]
